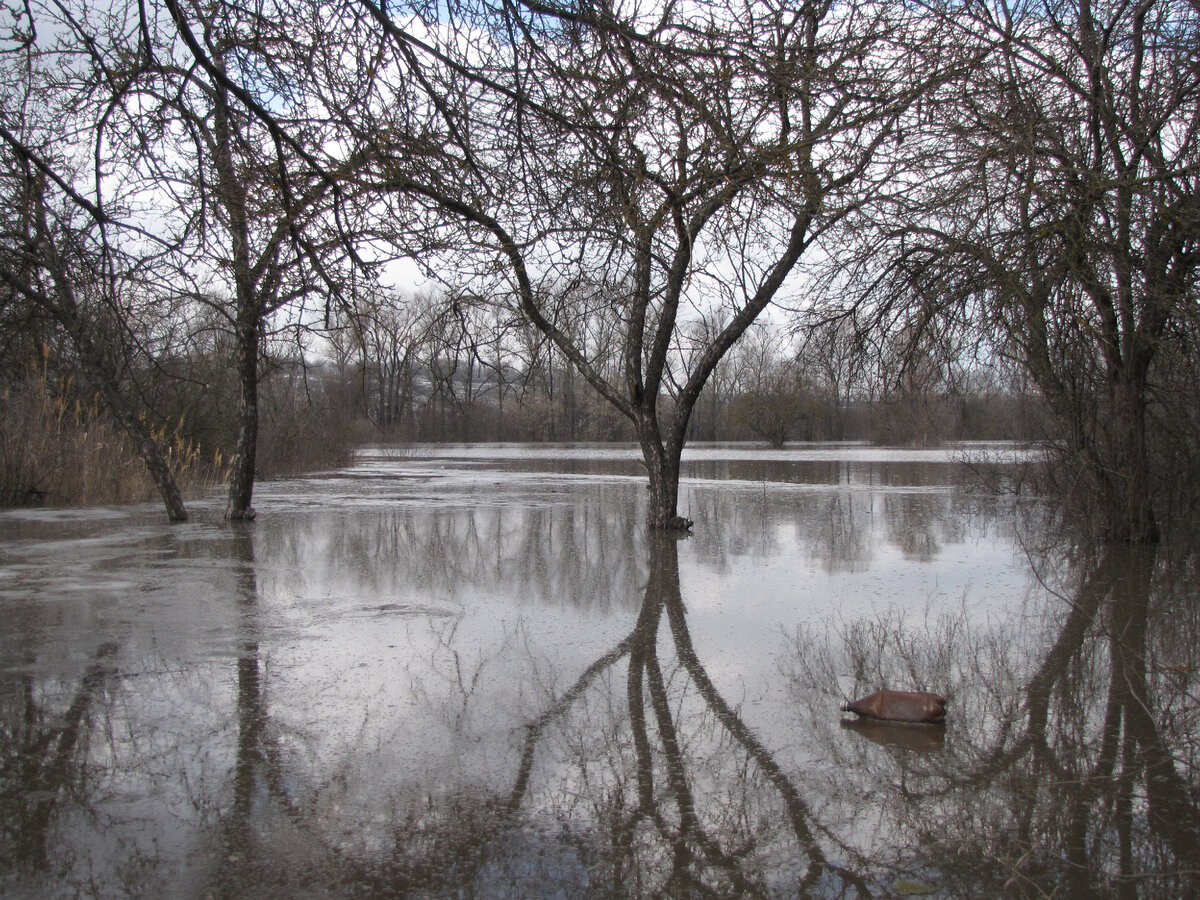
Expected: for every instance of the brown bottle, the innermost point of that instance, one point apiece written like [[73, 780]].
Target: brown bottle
[[900, 706]]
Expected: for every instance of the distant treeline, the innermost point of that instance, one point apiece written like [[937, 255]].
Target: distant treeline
[[422, 377], [375, 383]]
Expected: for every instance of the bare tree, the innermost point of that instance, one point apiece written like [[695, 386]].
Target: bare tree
[[1066, 217], [772, 403], [215, 189], [684, 162], [259, 199], [386, 336], [600, 171], [69, 247], [833, 358]]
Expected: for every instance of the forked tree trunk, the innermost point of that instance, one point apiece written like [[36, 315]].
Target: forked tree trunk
[[664, 497]]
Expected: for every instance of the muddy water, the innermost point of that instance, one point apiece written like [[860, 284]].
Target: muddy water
[[468, 671]]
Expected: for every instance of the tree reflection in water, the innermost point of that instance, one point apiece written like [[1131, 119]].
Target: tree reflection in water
[[1071, 765], [265, 842], [640, 779], [43, 762], [650, 787], [700, 806]]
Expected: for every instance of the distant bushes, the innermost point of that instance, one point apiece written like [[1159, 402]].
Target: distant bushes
[[58, 447], [302, 427], [294, 440]]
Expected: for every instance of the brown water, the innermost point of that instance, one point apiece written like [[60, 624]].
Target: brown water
[[467, 671]]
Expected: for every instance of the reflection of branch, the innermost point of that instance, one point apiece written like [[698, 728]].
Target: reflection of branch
[[1054, 666], [646, 633], [258, 750], [663, 584], [49, 763], [1131, 747], [798, 812], [797, 809], [534, 730], [1083, 613], [1172, 812], [689, 822], [689, 840]]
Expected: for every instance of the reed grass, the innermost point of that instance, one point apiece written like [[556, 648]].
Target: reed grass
[[60, 448]]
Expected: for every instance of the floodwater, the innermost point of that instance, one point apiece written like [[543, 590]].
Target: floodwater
[[467, 671]]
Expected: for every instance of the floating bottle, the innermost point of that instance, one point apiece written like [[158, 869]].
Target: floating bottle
[[900, 706]]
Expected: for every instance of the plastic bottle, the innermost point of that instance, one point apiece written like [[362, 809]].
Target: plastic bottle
[[900, 706]]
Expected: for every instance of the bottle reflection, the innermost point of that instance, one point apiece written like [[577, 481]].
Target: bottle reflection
[[899, 736]]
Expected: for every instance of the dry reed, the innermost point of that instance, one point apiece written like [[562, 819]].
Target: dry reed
[[60, 449]]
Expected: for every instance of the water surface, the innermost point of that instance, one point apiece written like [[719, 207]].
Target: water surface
[[468, 671]]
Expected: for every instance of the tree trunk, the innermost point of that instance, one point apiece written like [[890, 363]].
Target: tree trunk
[[1131, 513], [241, 477], [232, 194], [662, 466], [134, 426]]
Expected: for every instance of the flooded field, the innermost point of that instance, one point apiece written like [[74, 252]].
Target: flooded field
[[467, 671]]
